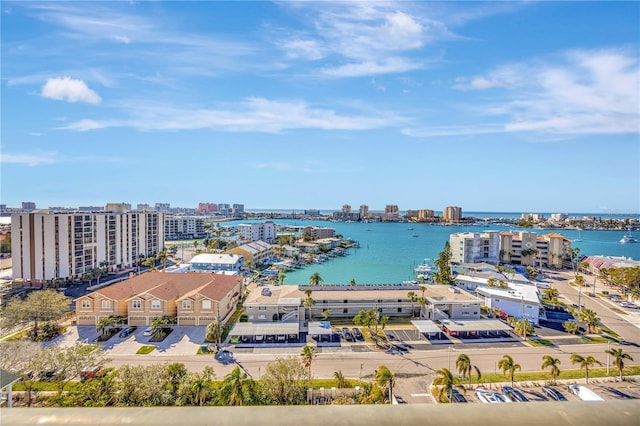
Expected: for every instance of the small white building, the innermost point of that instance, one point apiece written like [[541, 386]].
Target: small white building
[[265, 231], [217, 262], [472, 247], [519, 300]]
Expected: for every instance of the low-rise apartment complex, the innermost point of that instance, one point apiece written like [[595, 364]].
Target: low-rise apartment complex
[[192, 298], [255, 253], [183, 228]]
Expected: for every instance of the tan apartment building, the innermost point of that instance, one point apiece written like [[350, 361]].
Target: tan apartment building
[[426, 215], [47, 245], [452, 214], [549, 249], [255, 253], [193, 298]]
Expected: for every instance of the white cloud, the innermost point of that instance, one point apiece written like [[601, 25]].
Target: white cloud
[[70, 90], [578, 92], [28, 159], [385, 66], [251, 115]]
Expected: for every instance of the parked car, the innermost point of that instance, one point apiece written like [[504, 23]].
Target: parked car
[[347, 334], [456, 396], [127, 331], [553, 394], [487, 397], [50, 375], [514, 394], [147, 331], [89, 373], [357, 333]]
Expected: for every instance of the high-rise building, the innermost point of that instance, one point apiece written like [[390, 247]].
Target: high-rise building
[[163, 207], [237, 209], [312, 212], [452, 214], [143, 207], [346, 209], [364, 211], [426, 215], [183, 228], [48, 245], [207, 208], [224, 209], [391, 212], [28, 206]]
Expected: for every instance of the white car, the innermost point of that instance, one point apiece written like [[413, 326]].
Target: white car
[[147, 331], [487, 397]]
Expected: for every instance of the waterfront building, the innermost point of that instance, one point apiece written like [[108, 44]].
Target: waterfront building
[[597, 263], [411, 214], [192, 298], [471, 247], [544, 250], [217, 262], [533, 217], [426, 215], [363, 212], [183, 228], [207, 208], [255, 253], [112, 207], [345, 214], [237, 209], [265, 231], [452, 214], [143, 207], [559, 217], [391, 212], [312, 212], [28, 206], [46, 245], [224, 209], [316, 232]]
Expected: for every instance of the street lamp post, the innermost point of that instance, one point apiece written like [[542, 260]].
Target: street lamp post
[[608, 356], [449, 356], [579, 296]]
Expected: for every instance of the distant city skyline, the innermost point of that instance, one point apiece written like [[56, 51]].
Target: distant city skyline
[[490, 106]]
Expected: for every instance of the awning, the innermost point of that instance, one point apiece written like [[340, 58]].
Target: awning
[[426, 326], [475, 325], [264, 329], [318, 328]]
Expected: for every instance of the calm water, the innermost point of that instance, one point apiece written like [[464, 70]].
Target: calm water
[[389, 251]]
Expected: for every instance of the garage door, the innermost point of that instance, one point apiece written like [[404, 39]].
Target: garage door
[[186, 320], [137, 320]]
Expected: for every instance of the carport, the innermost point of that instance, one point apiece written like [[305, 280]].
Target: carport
[[320, 330], [490, 328], [267, 332], [428, 328]]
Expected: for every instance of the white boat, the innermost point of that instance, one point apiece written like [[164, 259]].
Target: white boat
[[423, 268], [628, 239]]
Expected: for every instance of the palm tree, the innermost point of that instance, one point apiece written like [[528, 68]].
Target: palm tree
[[591, 320], [157, 326], [464, 367], [105, 324], [445, 382], [315, 279], [552, 363], [340, 380], [281, 276], [412, 298], [385, 378], [195, 245], [325, 314], [309, 302], [162, 257], [214, 333], [235, 388], [308, 353], [422, 301], [150, 262], [585, 362], [507, 364], [618, 359], [352, 282]]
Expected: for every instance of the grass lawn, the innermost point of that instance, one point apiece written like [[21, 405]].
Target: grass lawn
[[564, 374], [540, 342], [332, 383], [146, 349], [598, 339]]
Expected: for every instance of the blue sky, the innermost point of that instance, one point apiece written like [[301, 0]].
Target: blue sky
[[499, 106]]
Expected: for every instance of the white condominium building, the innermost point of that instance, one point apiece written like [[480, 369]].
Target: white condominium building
[[472, 247], [179, 228], [265, 231], [48, 245], [529, 248]]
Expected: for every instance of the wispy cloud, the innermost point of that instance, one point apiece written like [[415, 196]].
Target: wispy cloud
[[70, 90], [29, 159], [251, 115], [283, 167], [577, 92]]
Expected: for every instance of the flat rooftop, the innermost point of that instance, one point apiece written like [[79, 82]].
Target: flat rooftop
[[264, 328], [475, 325]]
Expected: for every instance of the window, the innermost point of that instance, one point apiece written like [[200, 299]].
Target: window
[[106, 304], [155, 304], [262, 308], [137, 304], [345, 311], [206, 304], [86, 304], [186, 304]]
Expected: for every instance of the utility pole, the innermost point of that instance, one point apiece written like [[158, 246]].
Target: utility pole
[[608, 356], [524, 330]]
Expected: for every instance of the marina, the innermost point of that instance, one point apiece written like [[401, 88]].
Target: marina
[[388, 252]]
